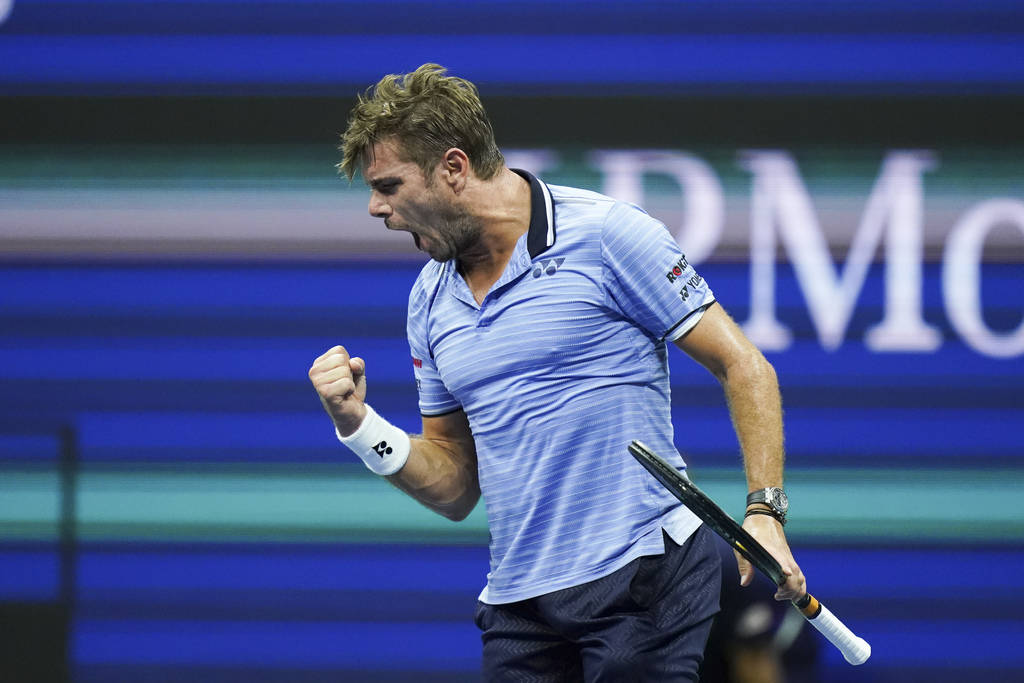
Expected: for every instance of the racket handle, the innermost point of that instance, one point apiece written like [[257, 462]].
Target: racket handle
[[855, 650]]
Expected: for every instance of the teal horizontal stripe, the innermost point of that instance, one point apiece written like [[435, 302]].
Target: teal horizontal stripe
[[838, 170], [864, 495], [29, 497], [345, 504]]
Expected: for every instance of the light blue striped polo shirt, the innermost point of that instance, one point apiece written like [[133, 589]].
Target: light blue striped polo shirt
[[561, 366]]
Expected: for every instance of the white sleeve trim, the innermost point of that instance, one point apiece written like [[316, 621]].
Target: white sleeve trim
[[687, 323]]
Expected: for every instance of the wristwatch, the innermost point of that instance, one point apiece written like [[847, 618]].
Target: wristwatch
[[775, 498]]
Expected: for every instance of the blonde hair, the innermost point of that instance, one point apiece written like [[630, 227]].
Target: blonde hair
[[428, 113]]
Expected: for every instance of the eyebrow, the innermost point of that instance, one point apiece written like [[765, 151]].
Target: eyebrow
[[387, 180]]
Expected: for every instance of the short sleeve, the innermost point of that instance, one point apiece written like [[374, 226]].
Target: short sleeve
[[434, 398], [647, 277]]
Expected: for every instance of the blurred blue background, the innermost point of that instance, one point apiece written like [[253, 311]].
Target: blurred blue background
[[176, 249]]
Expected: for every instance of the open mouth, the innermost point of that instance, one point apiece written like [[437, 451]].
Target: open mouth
[[416, 239]]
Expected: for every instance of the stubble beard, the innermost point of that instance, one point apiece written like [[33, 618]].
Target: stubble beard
[[458, 235]]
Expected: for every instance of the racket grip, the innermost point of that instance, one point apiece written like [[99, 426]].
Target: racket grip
[[855, 649]]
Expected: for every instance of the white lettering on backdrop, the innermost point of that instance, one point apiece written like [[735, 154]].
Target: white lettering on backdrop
[[782, 210], [961, 276], [782, 205]]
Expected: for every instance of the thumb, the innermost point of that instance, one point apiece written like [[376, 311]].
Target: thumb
[[358, 368]]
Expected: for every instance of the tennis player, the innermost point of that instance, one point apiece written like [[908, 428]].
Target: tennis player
[[539, 334]]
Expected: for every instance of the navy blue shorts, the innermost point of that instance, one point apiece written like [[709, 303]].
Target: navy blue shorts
[[648, 621]]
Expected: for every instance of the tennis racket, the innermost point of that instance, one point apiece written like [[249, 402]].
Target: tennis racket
[[856, 650]]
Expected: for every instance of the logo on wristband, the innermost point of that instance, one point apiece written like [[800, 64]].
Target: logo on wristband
[[383, 449]]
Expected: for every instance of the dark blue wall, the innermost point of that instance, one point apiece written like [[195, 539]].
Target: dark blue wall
[[175, 367]]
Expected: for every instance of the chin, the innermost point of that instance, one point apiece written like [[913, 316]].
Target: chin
[[440, 258]]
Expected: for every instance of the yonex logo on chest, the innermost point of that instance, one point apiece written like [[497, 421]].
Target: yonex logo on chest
[[547, 266]]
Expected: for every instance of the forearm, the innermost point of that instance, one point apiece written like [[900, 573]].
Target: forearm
[[755, 405], [752, 390], [440, 476], [438, 468]]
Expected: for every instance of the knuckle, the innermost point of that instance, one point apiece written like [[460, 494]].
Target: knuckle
[[343, 387]]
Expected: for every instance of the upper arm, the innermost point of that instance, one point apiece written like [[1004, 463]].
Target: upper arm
[[441, 471], [718, 343], [452, 433]]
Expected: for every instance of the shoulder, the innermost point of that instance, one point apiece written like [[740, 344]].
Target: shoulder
[[587, 219], [577, 203], [424, 289], [594, 213], [573, 204], [629, 226]]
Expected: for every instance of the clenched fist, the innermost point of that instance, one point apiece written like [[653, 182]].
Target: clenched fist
[[340, 381]]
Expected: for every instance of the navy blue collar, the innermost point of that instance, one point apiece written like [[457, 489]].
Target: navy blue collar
[[541, 235]]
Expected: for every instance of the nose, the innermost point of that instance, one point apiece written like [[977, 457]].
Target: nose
[[378, 207]]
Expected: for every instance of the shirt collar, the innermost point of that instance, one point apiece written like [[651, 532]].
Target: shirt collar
[[539, 238], [541, 235]]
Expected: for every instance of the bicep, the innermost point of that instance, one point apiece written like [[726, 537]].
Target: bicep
[[451, 432], [441, 471], [717, 342]]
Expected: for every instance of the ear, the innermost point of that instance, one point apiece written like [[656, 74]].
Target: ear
[[455, 169]]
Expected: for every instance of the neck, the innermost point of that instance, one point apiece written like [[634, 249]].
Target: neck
[[502, 204]]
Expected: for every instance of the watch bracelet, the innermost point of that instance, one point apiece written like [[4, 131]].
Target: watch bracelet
[[781, 519]]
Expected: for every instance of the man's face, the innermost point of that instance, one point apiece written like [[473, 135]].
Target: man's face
[[406, 200]]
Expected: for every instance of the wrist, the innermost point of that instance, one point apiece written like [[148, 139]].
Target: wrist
[[760, 511], [771, 500], [383, 447], [346, 428]]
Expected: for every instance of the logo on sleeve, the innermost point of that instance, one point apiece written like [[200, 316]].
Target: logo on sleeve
[[677, 269], [382, 448], [692, 282], [417, 362]]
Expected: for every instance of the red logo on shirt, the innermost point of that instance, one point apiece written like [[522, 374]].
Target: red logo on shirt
[[417, 362], [677, 269]]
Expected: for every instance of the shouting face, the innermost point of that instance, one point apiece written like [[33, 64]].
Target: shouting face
[[422, 205]]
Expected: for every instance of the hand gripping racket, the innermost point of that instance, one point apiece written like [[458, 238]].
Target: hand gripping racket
[[855, 650]]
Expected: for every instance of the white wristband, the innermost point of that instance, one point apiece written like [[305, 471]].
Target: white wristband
[[381, 445]]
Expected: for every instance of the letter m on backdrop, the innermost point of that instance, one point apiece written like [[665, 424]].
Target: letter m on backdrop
[[781, 207]]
